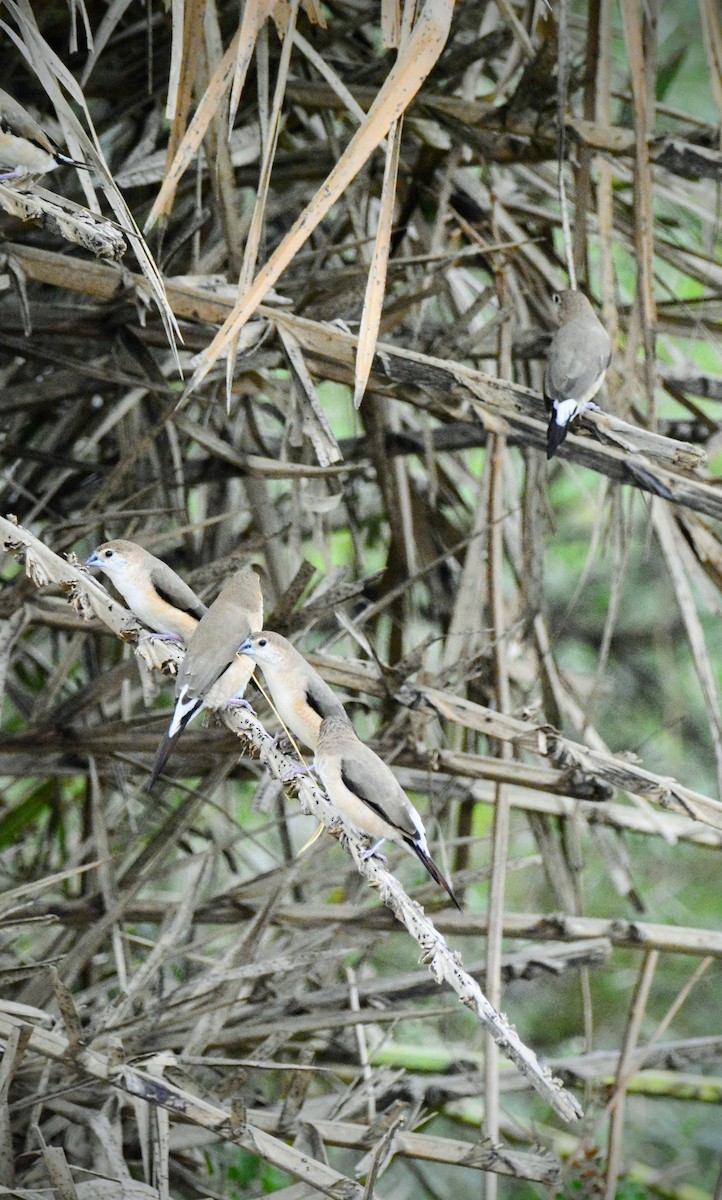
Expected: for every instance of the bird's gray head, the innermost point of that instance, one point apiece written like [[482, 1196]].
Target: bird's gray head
[[570, 303], [114, 557], [263, 647]]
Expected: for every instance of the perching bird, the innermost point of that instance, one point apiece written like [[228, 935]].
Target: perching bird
[[211, 673], [301, 697], [577, 361], [367, 795], [25, 148], [151, 589]]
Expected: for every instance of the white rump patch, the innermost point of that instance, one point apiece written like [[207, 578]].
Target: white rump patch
[[565, 410]]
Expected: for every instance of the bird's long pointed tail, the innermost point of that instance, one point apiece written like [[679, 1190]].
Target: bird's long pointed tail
[[434, 871], [71, 162], [556, 434], [169, 742]]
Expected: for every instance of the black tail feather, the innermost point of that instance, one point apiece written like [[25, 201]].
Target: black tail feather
[[434, 871], [556, 434], [167, 746], [71, 162]]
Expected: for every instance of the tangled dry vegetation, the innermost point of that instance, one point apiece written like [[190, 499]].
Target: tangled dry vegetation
[[318, 343]]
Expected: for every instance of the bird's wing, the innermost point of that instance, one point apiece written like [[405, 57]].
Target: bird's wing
[[188, 709], [15, 119], [321, 699], [569, 373], [171, 588], [368, 778], [213, 648]]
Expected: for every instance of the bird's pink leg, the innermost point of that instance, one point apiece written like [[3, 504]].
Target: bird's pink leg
[[373, 850]]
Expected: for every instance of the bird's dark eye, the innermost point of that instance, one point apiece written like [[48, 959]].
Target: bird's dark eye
[[108, 553], [557, 298], [263, 641]]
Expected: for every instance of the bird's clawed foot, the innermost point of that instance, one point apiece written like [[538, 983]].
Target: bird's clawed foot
[[283, 743], [293, 772], [373, 851]]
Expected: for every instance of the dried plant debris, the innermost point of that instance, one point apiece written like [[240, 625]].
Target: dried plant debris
[[325, 355], [73, 222]]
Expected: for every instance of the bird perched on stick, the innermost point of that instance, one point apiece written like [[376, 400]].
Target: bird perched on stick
[[212, 674], [577, 361], [25, 148], [300, 696], [367, 794], [151, 589]]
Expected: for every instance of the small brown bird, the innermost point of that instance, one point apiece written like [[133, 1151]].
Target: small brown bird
[[151, 589], [577, 361], [211, 674], [25, 148], [301, 697], [367, 794]]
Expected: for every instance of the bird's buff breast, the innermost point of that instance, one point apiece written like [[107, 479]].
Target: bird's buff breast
[[19, 152]]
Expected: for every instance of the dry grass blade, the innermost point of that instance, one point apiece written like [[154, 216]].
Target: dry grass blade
[[191, 142], [111, 20], [178, 24], [314, 420], [712, 30], [376, 283], [391, 22], [501, 826], [12, 895], [327, 72], [636, 1015], [643, 93], [255, 15], [675, 552], [270, 131], [186, 46]]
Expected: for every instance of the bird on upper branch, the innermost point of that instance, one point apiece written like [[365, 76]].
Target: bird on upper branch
[[577, 361]]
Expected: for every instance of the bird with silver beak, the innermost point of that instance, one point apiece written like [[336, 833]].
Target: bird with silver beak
[[300, 696], [212, 673], [367, 794], [151, 589]]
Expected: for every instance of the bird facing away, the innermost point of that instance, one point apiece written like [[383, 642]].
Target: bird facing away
[[211, 674], [151, 589], [25, 148], [301, 697], [577, 361], [367, 794]]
